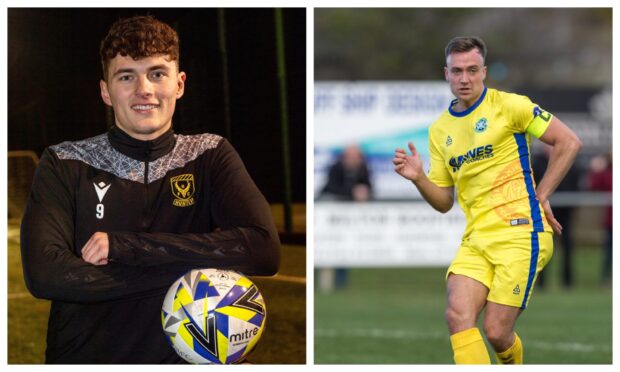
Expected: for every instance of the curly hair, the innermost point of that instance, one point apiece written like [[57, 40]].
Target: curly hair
[[139, 37]]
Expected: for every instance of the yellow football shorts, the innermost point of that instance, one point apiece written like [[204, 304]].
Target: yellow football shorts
[[507, 264]]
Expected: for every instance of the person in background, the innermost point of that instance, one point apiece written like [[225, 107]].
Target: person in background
[[348, 180], [600, 178]]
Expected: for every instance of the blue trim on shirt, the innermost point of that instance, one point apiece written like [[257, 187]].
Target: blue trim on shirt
[[469, 109], [524, 158]]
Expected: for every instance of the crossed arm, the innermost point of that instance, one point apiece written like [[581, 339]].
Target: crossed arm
[[116, 265]]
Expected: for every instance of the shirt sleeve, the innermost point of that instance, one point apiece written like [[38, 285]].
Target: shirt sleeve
[[539, 124], [246, 239], [527, 117], [52, 269], [439, 174]]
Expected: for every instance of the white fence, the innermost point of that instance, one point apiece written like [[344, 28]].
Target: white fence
[[411, 233], [385, 234]]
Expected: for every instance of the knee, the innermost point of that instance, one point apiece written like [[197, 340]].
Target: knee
[[498, 335], [459, 319]]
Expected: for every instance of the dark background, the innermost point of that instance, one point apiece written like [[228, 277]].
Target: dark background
[[54, 72]]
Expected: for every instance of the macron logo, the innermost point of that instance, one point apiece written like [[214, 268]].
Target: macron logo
[[101, 188]]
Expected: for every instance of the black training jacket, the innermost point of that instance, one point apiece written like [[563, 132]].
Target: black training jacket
[[168, 205]]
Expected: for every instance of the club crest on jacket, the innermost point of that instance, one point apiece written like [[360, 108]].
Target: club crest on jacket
[[183, 189]]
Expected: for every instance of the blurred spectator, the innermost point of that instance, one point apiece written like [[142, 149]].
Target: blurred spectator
[[600, 179], [564, 215], [348, 178]]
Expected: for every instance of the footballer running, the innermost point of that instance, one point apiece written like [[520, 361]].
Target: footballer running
[[480, 146]]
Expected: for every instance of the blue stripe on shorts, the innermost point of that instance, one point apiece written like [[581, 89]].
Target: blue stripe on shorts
[[533, 262]]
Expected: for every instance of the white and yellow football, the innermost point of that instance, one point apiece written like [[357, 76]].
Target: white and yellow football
[[213, 316]]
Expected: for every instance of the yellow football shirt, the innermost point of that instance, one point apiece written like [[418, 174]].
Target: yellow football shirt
[[484, 152]]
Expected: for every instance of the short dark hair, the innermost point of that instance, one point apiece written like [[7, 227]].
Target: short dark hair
[[462, 44], [138, 37]]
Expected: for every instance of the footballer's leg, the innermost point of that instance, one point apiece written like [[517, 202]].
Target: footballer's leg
[[517, 261], [499, 323], [466, 299]]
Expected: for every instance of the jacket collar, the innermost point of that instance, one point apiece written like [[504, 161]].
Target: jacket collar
[[142, 150]]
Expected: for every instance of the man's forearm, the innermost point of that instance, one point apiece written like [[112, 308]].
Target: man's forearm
[[440, 198]]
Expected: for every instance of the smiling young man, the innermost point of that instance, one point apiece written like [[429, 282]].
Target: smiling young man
[[113, 220], [143, 93], [480, 146]]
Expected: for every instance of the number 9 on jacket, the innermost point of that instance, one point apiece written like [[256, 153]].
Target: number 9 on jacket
[[213, 316]]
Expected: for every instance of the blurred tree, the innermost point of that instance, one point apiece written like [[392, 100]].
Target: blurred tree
[[559, 47]]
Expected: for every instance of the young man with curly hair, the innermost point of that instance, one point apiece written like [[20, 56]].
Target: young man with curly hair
[[113, 220]]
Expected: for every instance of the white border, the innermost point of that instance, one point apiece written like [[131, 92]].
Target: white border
[[309, 188], [310, 5]]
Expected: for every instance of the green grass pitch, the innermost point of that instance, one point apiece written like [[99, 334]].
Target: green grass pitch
[[395, 316]]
